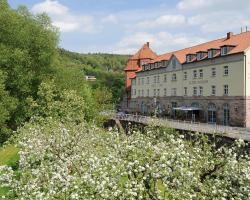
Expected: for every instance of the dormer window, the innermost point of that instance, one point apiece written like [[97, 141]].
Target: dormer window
[[190, 57], [201, 54], [225, 49], [174, 63], [212, 52], [151, 66]]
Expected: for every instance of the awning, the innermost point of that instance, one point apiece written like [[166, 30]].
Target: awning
[[186, 108]]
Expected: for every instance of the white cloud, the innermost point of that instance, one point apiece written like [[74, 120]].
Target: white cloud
[[193, 4], [164, 20], [219, 22], [51, 7], [110, 19], [65, 20], [162, 42], [212, 5]]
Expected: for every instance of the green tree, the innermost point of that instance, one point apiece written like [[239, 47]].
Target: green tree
[[28, 46], [7, 106]]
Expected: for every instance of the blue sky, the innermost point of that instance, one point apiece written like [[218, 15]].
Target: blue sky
[[122, 26]]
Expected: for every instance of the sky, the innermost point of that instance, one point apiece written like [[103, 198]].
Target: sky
[[123, 26]]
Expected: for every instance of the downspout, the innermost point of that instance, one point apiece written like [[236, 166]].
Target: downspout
[[245, 86]]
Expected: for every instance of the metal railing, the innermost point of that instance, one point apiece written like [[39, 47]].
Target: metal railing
[[178, 124]]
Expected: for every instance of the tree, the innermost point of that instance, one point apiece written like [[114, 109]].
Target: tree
[[28, 46], [7, 107], [103, 98]]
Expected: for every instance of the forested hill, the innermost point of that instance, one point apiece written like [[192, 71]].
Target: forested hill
[[107, 68], [102, 61]]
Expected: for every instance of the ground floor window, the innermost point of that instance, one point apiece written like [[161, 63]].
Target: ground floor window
[[226, 115], [211, 113]]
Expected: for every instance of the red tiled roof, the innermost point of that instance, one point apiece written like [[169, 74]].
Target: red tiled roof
[[240, 41], [144, 53]]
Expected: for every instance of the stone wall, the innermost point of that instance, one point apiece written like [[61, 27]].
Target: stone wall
[[237, 107]]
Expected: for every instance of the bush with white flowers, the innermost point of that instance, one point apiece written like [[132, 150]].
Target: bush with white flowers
[[68, 161]]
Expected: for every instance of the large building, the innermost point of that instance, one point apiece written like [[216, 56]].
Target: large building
[[209, 82]]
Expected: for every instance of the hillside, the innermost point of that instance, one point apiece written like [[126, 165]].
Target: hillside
[[107, 68]]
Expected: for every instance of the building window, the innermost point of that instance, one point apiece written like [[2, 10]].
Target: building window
[[224, 51], [195, 74], [174, 78], [165, 91], [199, 56], [154, 79], [185, 91], [134, 91], [142, 93], [201, 73], [174, 63], [226, 114], [201, 91], [195, 91], [158, 92], [189, 57], [158, 79], [147, 80], [213, 90], [174, 104], [154, 92], [142, 81], [148, 92], [173, 92], [165, 78], [211, 113], [185, 76], [225, 70], [210, 54], [225, 89], [139, 93], [214, 72]]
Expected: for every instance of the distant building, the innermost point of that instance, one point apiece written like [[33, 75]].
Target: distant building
[[209, 82], [90, 78]]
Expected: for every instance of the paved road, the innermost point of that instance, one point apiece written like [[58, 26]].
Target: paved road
[[226, 131]]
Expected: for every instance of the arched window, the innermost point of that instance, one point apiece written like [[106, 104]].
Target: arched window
[[211, 113], [195, 105]]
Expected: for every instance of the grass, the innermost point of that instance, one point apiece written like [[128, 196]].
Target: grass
[[8, 156]]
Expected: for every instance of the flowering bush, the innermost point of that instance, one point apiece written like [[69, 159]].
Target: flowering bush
[[68, 161]]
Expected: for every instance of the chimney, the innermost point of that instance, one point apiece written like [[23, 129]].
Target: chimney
[[148, 44], [229, 35]]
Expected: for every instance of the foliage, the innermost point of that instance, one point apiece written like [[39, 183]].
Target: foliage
[[107, 68], [7, 107], [68, 161], [105, 62], [103, 98], [64, 105], [28, 46]]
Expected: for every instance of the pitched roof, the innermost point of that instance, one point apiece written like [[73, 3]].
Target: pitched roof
[[144, 53], [240, 41]]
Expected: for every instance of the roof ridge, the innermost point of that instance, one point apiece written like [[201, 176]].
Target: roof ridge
[[204, 43]]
